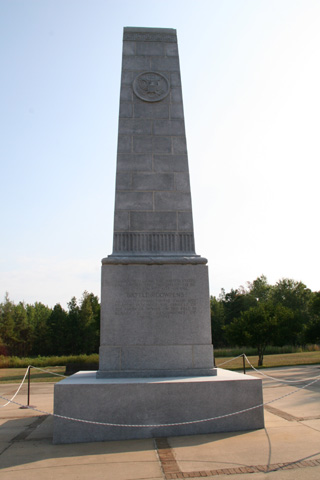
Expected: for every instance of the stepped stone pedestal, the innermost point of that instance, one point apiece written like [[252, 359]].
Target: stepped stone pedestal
[[156, 357], [155, 402]]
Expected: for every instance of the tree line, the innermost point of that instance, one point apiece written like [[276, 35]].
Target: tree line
[[32, 330], [260, 314]]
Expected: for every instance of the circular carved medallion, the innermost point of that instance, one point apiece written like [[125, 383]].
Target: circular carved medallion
[[151, 86]]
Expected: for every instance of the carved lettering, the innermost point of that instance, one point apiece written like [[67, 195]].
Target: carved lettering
[[148, 298]]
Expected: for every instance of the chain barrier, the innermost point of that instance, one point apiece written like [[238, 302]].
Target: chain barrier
[[48, 371], [19, 388], [23, 380], [109, 424], [277, 379], [230, 360], [264, 374]]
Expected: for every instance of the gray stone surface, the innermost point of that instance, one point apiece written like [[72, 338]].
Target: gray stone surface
[[134, 163], [124, 181], [175, 79], [142, 144], [176, 95], [139, 101], [136, 63], [139, 126], [170, 163], [155, 243], [134, 200], [176, 111], [158, 318], [168, 64], [153, 181], [151, 141], [152, 401], [150, 48], [181, 181], [129, 48], [162, 145], [151, 110], [154, 260], [164, 221], [179, 145], [172, 201], [185, 221], [126, 77], [152, 359], [121, 221], [126, 93], [126, 110], [124, 144], [173, 127]]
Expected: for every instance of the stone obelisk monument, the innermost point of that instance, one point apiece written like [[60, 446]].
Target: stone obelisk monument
[[155, 317], [156, 356]]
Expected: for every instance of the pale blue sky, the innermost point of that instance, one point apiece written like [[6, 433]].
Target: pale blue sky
[[250, 79]]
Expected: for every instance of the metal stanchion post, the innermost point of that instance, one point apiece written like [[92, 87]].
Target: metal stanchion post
[[28, 394], [244, 363], [29, 381]]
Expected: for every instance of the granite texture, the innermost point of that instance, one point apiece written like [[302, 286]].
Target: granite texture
[[155, 318], [151, 143], [155, 402]]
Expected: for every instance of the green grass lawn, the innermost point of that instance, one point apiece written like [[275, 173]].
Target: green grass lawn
[[15, 375], [270, 361]]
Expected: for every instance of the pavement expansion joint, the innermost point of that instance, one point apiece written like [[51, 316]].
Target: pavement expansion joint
[[288, 416], [29, 429], [282, 414], [172, 470]]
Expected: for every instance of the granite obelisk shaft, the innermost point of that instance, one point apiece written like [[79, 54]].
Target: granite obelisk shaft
[[153, 213], [155, 318]]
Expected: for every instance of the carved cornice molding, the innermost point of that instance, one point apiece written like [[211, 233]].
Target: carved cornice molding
[[144, 243], [149, 37]]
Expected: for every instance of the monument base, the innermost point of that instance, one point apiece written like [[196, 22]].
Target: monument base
[[153, 402], [191, 372]]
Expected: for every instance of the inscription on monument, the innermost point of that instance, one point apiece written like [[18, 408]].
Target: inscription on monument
[[156, 298], [151, 86]]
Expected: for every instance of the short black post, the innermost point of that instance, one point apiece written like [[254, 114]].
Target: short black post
[[28, 395], [244, 362], [29, 381]]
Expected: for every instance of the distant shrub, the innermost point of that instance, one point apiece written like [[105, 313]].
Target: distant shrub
[[16, 362], [271, 350]]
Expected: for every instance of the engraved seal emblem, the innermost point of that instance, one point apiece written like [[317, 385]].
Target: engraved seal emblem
[[151, 86]]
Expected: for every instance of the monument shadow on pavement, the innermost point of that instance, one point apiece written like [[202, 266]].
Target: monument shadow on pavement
[[156, 356]]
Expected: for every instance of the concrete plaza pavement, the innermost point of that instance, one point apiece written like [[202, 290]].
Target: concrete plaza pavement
[[287, 448]]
